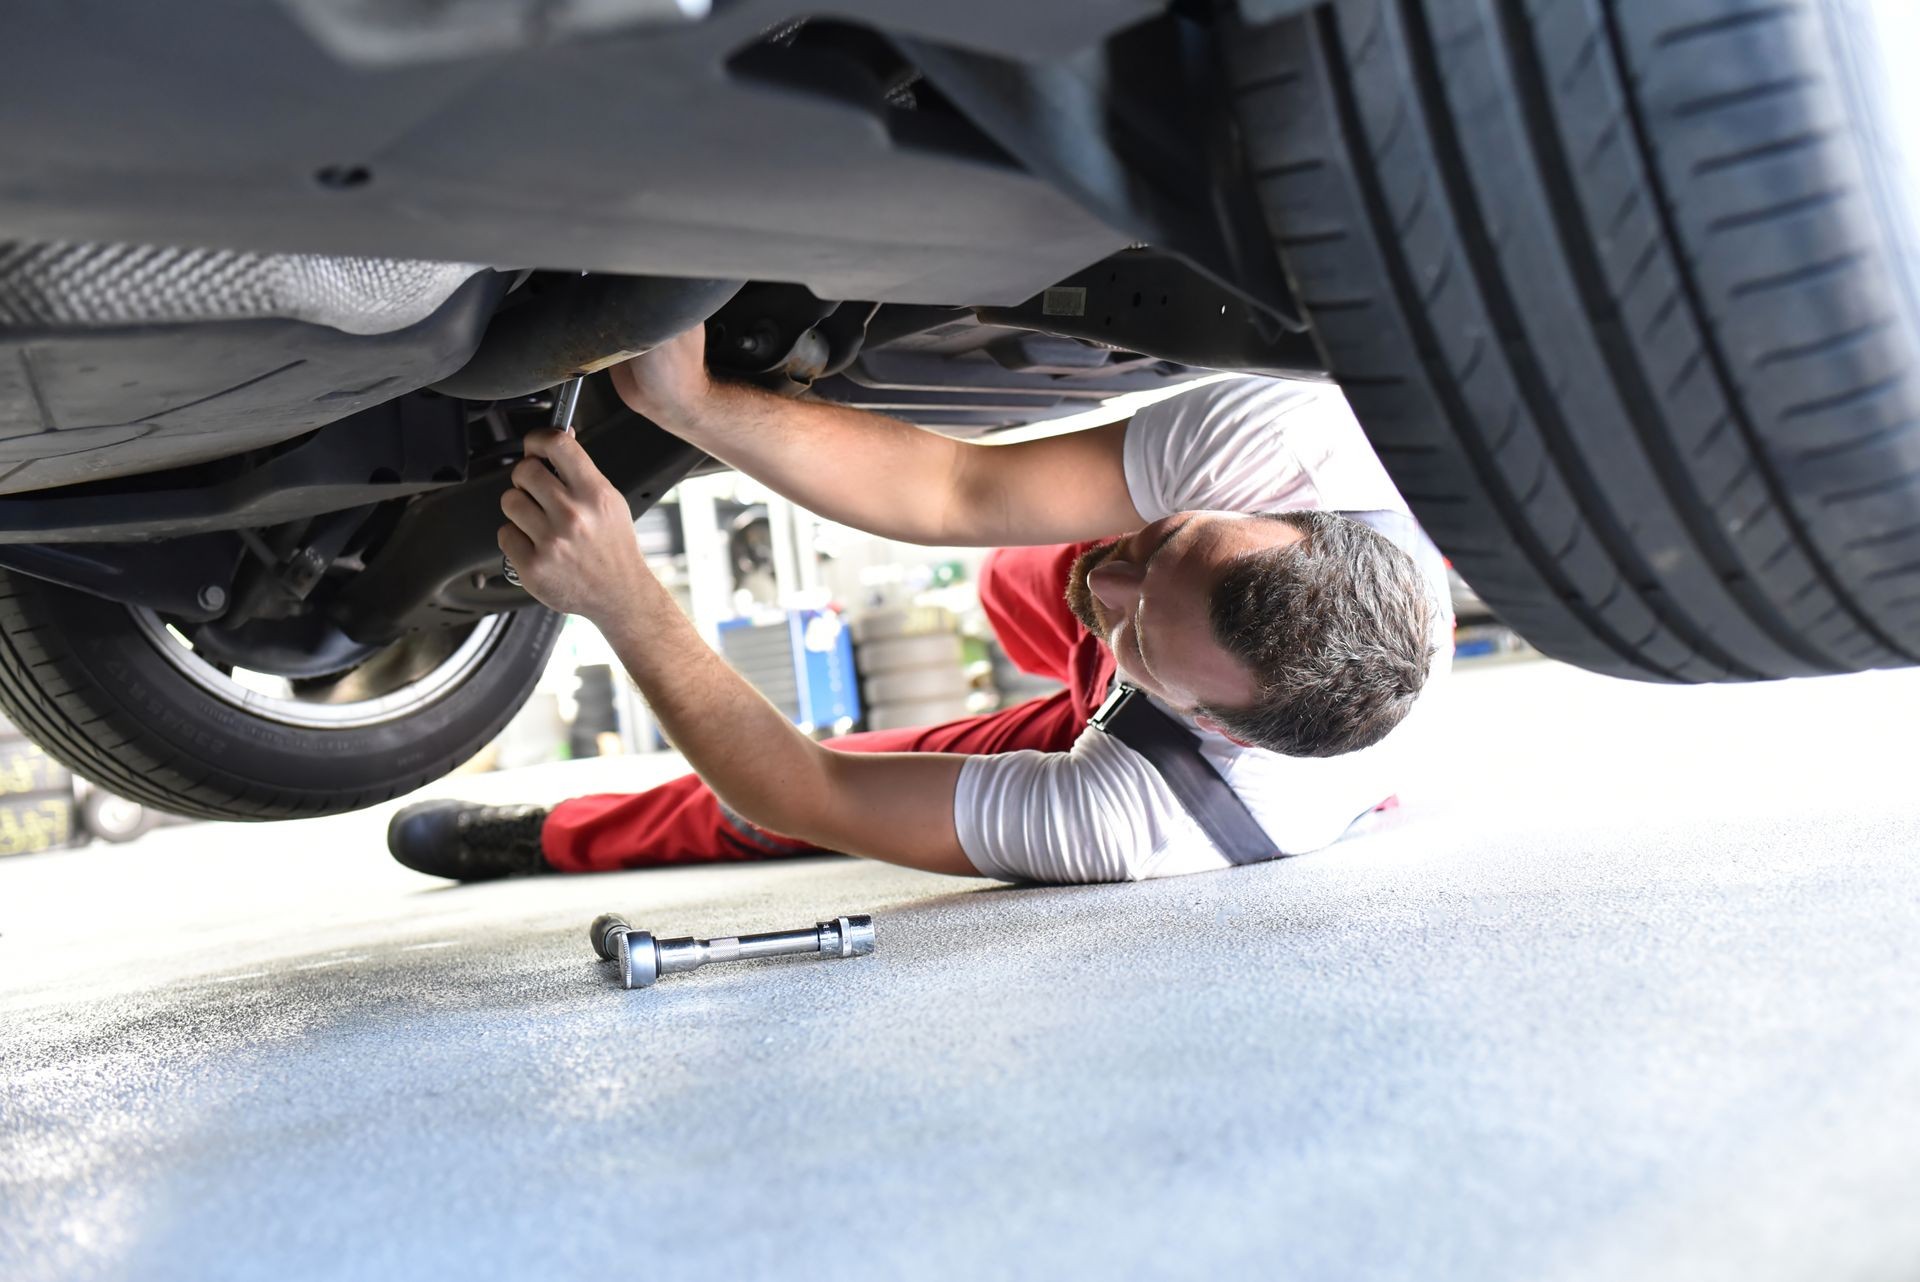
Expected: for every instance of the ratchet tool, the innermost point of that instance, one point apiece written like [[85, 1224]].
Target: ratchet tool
[[643, 959], [566, 398]]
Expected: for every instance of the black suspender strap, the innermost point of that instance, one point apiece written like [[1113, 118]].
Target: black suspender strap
[[1173, 750]]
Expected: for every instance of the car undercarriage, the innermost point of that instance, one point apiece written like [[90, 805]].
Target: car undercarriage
[[283, 286]]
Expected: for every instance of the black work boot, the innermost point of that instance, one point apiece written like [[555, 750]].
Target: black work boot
[[468, 842]]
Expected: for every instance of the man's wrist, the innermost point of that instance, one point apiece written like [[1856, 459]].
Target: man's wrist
[[626, 617]]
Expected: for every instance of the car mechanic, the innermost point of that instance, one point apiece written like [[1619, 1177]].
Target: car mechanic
[[1274, 594]]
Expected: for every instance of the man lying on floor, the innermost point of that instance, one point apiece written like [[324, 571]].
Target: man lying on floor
[[1274, 597]]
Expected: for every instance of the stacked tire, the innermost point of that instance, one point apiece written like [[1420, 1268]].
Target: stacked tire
[[36, 796], [912, 668]]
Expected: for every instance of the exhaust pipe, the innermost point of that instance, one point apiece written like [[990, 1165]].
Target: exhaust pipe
[[567, 326]]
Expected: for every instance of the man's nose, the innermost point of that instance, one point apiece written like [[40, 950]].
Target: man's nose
[[1117, 584]]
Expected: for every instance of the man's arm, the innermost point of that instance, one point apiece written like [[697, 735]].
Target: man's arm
[[881, 475], [571, 541]]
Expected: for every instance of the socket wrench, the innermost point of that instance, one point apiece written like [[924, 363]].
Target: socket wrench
[[642, 959], [566, 398]]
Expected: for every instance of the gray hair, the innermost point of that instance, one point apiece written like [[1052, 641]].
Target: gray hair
[[1337, 630]]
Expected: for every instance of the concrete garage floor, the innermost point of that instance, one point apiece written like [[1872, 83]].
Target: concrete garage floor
[[1633, 992]]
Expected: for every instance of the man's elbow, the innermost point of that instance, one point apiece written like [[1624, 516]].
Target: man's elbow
[[796, 814], [961, 514], [1128, 866], [1095, 865], [802, 820]]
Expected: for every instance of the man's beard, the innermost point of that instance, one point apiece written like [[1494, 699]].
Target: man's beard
[[1079, 595]]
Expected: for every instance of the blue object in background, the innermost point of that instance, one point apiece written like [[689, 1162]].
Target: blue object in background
[[803, 664], [823, 651]]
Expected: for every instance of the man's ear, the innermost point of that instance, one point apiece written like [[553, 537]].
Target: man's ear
[[1209, 724]]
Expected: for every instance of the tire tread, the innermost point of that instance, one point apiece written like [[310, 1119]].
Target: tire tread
[[1522, 155]]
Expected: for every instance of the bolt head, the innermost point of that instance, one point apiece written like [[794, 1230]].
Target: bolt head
[[213, 597]]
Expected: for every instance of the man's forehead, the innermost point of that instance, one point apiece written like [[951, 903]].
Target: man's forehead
[[1217, 539], [1173, 624]]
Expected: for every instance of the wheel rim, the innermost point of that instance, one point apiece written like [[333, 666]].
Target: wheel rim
[[396, 683]]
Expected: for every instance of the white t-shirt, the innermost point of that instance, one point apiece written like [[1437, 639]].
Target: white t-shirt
[[1100, 811]]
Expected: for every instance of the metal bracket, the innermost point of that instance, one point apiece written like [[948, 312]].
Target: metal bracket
[[189, 578], [389, 451], [783, 338], [441, 564]]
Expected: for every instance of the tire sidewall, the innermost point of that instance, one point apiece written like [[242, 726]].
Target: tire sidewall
[[129, 672]]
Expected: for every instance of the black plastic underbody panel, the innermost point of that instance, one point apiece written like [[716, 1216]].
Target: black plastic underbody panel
[[635, 149]]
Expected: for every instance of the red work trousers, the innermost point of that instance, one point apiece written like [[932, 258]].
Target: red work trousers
[[1024, 593]]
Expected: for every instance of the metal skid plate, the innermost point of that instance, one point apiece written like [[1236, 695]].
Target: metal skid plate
[[944, 368], [87, 402], [77, 286]]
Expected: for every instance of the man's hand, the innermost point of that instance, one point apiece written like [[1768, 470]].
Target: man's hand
[[570, 533], [668, 383]]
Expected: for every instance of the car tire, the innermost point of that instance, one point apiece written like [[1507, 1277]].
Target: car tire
[[1626, 293], [96, 685]]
